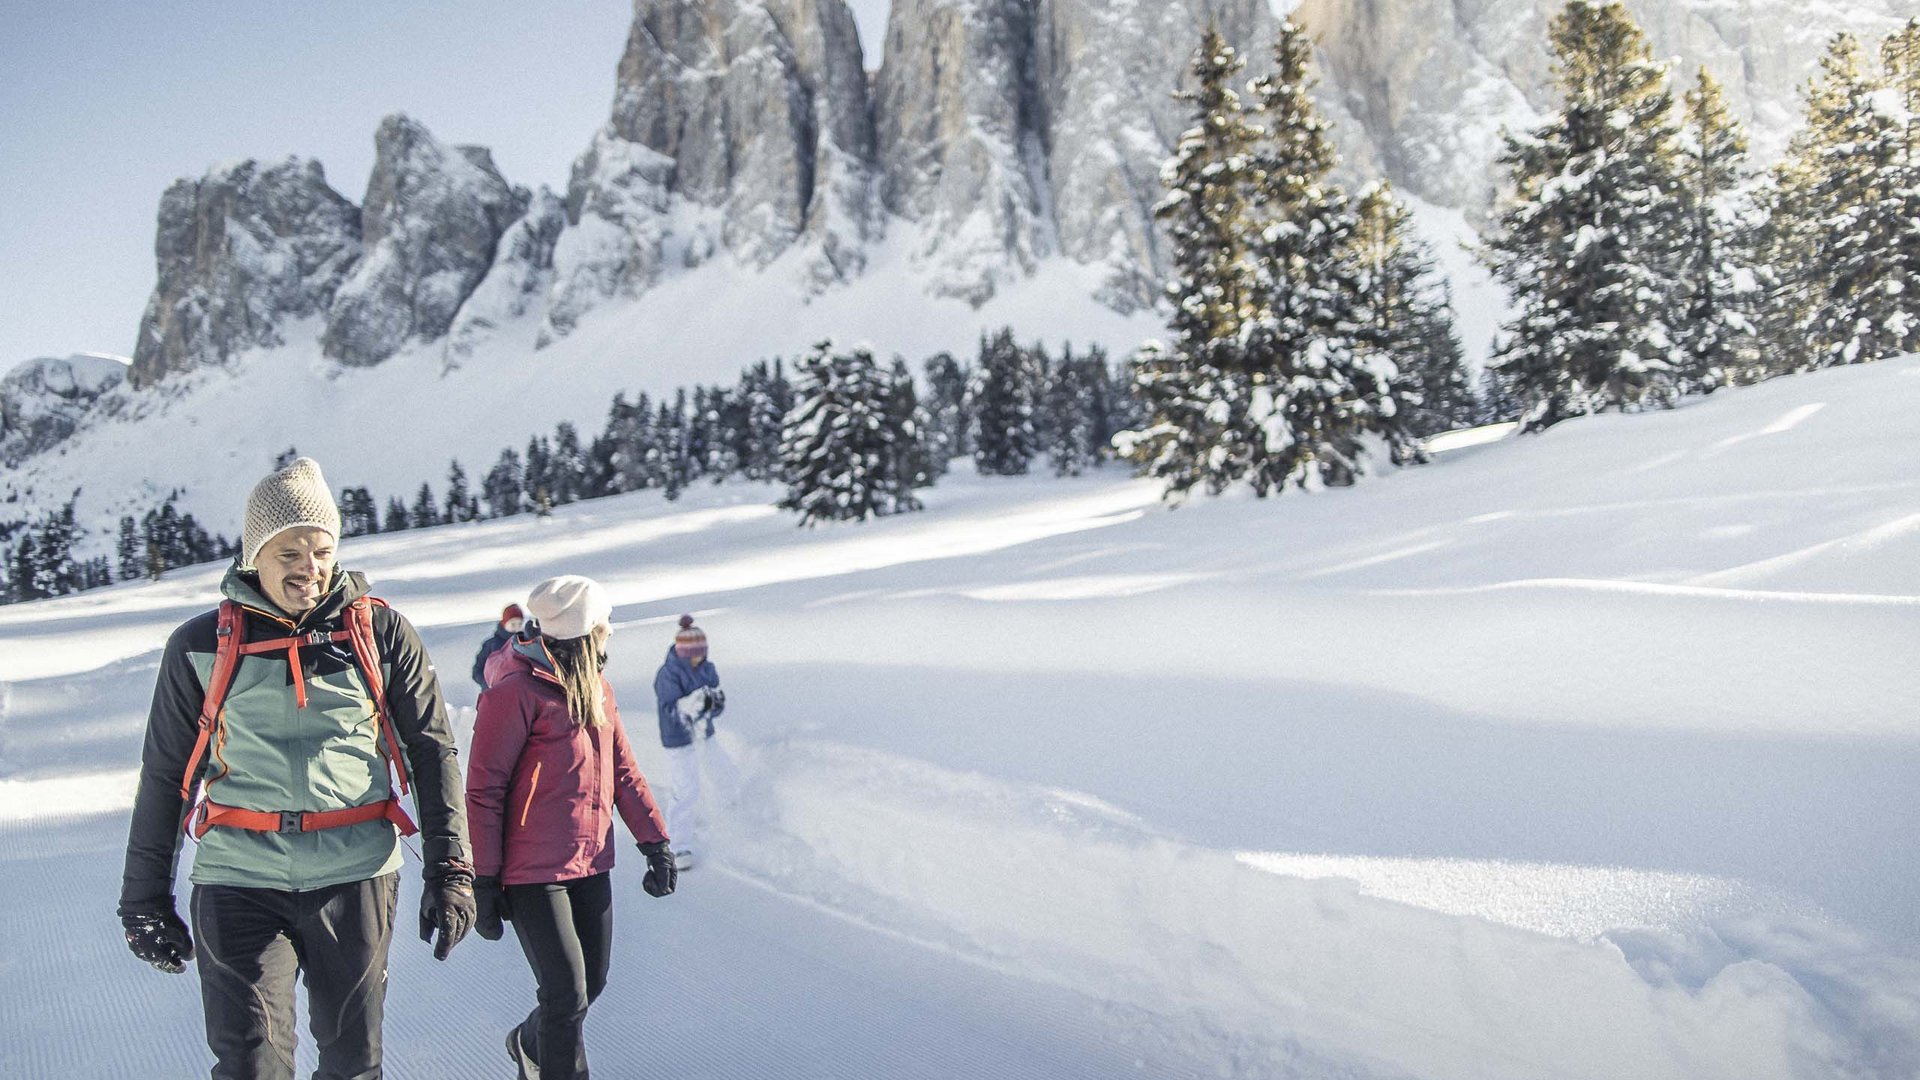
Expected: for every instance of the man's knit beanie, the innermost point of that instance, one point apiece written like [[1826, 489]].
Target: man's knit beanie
[[569, 606], [691, 641], [291, 498]]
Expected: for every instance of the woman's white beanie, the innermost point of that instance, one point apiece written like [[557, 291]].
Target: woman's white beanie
[[291, 498], [569, 606]]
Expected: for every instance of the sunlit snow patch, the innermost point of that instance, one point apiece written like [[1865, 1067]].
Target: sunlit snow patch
[[1580, 902]]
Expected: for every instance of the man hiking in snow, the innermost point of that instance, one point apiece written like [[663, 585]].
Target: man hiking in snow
[[297, 713]]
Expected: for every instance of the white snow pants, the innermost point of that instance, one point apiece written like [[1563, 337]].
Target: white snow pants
[[684, 819]]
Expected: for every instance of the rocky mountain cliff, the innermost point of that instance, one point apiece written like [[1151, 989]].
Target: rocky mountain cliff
[[43, 400], [995, 136]]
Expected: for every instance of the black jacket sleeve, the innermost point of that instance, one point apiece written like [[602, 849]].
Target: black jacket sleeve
[[419, 716], [153, 839]]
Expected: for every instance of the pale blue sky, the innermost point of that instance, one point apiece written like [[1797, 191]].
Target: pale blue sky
[[103, 103]]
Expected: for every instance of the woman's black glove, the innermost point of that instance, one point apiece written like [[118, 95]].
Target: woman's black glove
[[156, 935], [661, 875], [490, 908], [446, 905]]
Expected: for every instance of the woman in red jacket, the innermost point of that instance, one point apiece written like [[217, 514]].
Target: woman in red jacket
[[550, 765]]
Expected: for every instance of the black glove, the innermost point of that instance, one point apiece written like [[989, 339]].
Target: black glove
[[157, 936], [716, 704], [660, 872], [446, 905], [490, 908]]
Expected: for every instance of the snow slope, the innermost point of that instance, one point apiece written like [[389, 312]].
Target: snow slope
[[392, 426], [1585, 755]]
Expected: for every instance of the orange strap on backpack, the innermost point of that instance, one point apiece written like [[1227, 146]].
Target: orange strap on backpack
[[230, 645]]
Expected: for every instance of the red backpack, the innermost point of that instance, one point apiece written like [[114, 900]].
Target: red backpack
[[230, 644]]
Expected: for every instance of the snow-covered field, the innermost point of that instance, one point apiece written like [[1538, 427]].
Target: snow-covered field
[[1586, 755]]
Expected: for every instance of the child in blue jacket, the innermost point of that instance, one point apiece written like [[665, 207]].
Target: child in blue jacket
[[688, 690]]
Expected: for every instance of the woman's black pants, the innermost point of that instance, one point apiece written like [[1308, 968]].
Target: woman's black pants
[[566, 930]]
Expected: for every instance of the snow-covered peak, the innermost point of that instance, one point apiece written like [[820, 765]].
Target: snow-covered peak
[[432, 217], [43, 399]]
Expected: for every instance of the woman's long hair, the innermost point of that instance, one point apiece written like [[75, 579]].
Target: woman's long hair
[[578, 662]]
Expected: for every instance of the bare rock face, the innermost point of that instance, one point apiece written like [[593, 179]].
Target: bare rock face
[[521, 274], [241, 252], [755, 110], [431, 220], [1431, 82], [1107, 72], [42, 401], [962, 140], [613, 246]]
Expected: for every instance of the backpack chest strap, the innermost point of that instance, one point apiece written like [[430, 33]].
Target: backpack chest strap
[[291, 646]]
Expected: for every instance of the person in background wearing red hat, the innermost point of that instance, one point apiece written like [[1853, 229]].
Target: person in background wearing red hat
[[511, 620], [688, 690]]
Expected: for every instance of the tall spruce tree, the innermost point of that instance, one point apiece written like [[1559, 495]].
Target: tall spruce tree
[[425, 513], [1067, 411], [461, 503], [501, 488], [838, 452], [1304, 396], [359, 514], [129, 551], [55, 569], [1718, 339], [1586, 242], [396, 517], [949, 434], [567, 467], [1193, 389], [537, 478], [1000, 402], [1847, 210], [1405, 318]]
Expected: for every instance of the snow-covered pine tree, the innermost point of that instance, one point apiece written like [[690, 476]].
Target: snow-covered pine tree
[[396, 517], [1303, 396], [1000, 405], [567, 469], [1405, 314], [20, 566], [501, 488], [1067, 406], [1585, 239], [461, 505], [128, 550], [837, 448], [1900, 63], [425, 512], [1718, 338], [763, 411], [359, 515], [1847, 210], [1205, 214], [726, 424], [617, 444], [55, 570], [601, 476], [669, 456], [948, 433], [537, 480], [908, 466]]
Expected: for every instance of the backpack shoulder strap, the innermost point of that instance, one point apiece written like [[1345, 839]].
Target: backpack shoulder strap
[[228, 638], [367, 651]]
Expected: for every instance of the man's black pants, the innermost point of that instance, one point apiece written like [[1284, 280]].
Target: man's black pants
[[252, 942], [566, 930]]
